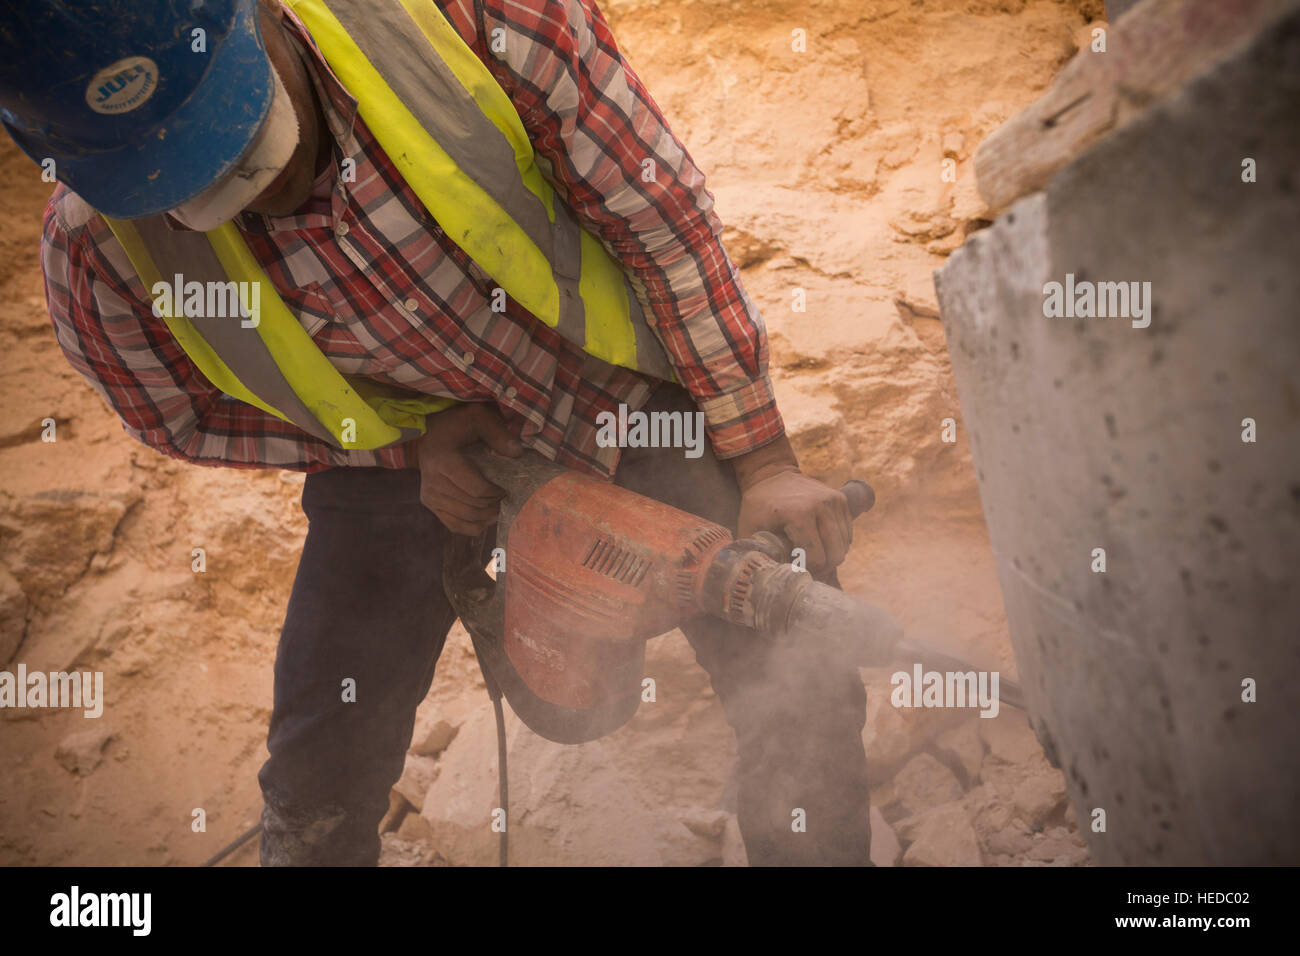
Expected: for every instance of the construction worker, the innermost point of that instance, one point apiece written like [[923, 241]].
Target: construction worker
[[448, 221]]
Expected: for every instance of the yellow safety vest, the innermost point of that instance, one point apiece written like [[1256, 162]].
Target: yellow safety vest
[[457, 140]]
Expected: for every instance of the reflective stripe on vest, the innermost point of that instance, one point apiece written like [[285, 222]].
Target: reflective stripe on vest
[[274, 365], [476, 175], [457, 140]]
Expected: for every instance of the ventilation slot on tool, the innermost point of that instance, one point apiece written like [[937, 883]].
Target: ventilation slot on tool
[[607, 558], [701, 543]]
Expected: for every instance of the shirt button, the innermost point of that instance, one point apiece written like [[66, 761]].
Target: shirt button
[[469, 358], [341, 229], [411, 305], [511, 392]]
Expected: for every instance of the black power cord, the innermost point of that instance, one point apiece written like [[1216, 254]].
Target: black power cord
[[232, 847]]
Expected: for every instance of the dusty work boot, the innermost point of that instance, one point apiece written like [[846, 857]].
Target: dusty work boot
[[318, 836]]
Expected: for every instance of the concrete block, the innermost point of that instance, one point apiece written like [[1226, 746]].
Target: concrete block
[[1091, 433]]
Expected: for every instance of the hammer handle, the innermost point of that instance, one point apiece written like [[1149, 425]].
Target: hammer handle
[[862, 497], [532, 468]]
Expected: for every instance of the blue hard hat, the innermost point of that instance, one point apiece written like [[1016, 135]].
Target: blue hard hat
[[117, 94]]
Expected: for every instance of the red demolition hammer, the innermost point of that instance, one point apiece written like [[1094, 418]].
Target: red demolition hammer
[[589, 571]]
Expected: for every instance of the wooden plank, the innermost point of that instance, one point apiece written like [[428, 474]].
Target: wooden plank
[[1153, 51]]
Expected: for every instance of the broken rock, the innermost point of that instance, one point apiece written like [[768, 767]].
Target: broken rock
[[1059, 847], [963, 746], [1035, 794], [434, 740], [709, 824], [398, 807], [82, 752], [415, 829], [925, 783], [1010, 739], [942, 837], [417, 777]]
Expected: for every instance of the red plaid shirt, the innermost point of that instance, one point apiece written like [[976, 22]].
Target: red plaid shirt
[[383, 291]]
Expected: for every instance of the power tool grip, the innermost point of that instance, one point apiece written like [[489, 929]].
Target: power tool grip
[[862, 497]]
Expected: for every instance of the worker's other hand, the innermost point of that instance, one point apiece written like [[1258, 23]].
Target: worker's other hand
[[776, 496], [450, 485]]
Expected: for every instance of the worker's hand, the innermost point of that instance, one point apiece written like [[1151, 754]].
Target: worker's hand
[[450, 486], [776, 496]]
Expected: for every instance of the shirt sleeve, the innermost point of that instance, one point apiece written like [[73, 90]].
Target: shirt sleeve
[[602, 141], [103, 318]]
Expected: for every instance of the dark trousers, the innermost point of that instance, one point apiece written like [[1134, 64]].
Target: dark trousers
[[368, 606]]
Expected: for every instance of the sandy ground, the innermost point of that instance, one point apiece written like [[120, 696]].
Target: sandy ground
[[826, 167]]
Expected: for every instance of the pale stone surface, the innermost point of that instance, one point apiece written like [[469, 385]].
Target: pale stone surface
[[942, 837], [573, 801], [1009, 738], [417, 777], [925, 783], [434, 739], [964, 746], [415, 828]]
